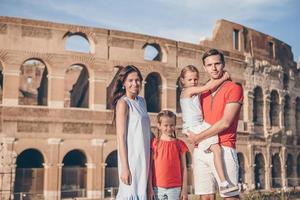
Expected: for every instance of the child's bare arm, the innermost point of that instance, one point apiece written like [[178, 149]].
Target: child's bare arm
[[189, 92], [184, 193]]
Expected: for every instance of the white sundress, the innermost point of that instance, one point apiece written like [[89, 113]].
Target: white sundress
[[138, 150], [193, 120]]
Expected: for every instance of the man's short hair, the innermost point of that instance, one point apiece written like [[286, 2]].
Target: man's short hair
[[213, 52]]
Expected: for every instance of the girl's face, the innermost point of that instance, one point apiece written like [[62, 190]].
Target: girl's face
[[190, 79], [167, 126], [132, 84]]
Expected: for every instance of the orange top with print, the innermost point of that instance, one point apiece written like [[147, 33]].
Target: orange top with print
[[166, 168], [213, 108]]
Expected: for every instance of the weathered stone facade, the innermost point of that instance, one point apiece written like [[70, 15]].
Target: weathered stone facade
[[55, 130]]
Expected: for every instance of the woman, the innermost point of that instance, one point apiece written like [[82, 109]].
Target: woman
[[133, 134]]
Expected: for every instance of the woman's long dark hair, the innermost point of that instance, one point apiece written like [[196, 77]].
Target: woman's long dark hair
[[118, 90]]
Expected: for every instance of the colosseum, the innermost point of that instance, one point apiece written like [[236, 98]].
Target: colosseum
[[57, 136]]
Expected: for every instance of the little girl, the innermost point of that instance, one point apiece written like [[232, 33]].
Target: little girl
[[169, 170], [194, 122]]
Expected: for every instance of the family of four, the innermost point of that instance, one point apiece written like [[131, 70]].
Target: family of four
[[156, 167]]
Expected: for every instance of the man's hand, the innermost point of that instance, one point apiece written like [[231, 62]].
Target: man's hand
[[192, 137]]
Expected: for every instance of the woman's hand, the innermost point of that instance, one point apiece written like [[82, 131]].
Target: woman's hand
[[126, 176]]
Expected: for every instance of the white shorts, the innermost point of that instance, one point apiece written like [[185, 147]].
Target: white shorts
[[205, 176], [205, 144]]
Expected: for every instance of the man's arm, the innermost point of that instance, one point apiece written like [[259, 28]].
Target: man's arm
[[230, 112]]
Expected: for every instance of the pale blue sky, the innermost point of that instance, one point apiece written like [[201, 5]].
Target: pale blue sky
[[183, 20]]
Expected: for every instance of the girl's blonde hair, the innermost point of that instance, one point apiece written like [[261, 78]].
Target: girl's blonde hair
[[160, 115], [189, 68]]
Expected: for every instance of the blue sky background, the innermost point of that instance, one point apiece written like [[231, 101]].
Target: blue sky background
[[183, 20]]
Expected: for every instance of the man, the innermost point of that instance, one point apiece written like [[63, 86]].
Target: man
[[221, 109]]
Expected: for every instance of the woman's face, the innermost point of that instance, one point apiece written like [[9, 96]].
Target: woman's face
[[132, 84]]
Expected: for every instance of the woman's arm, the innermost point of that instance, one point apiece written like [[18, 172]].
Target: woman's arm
[[121, 118], [212, 84], [150, 185]]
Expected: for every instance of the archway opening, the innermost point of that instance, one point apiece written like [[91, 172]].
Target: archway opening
[[77, 42], [33, 83], [178, 92], [276, 171], [274, 109], [259, 172], [110, 87], [289, 170], [76, 87], [258, 105], [74, 175], [153, 91], [29, 177], [152, 52], [111, 175]]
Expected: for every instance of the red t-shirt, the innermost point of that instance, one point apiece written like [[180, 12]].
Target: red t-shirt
[[213, 109], [166, 168]]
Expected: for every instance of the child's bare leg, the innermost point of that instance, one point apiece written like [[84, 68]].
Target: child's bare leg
[[216, 149]]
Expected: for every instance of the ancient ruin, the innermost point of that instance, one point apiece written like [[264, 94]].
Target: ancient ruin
[[57, 138]]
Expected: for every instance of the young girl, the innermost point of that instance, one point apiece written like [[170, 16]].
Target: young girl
[[133, 135], [194, 122], [168, 160]]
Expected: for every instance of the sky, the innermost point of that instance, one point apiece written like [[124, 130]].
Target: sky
[[181, 20]]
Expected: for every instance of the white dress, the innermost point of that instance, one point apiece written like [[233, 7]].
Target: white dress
[[138, 151], [193, 120]]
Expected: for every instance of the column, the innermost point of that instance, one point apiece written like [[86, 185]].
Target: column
[[98, 93], [95, 187], [52, 171], [267, 122], [250, 179], [168, 100], [11, 76], [248, 103], [268, 167], [56, 90], [7, 167], [283, 167]]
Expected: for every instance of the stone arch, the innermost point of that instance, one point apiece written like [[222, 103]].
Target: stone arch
[[286, 112], [153, 92], [109, 88], [29, 175], [289, 169], [76, 90], [33, 82], [111, 174], [274, 108], [78, 42], [154, 52], [297, 113], [276, 171], [74, 175], [241, 160], [258, 106], [178, 92], [259, 171]]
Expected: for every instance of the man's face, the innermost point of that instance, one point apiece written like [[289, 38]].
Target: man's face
[[213, 66]]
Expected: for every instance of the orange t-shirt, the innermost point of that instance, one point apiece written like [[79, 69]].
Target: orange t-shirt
[[213, 109], [166, 168]]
